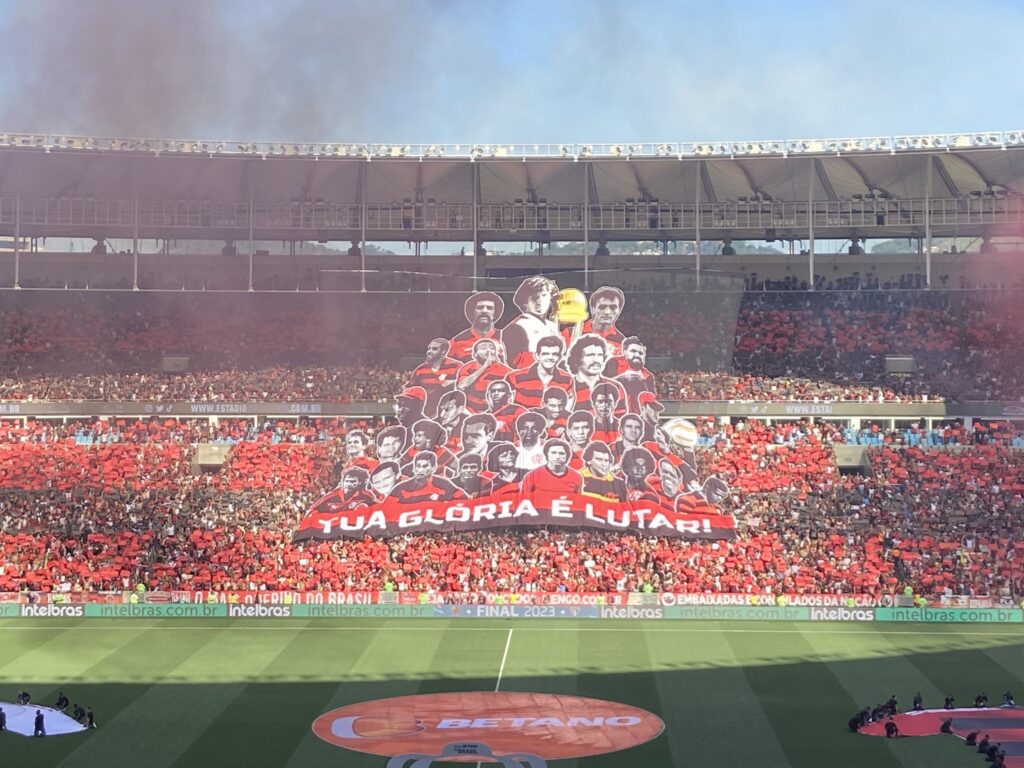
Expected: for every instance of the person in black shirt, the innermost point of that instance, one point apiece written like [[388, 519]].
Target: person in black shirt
[[62, 701], [24, 698], [947, 725], [950, 703], [981, 700], [918, 702], [972, 739], [3, 719], [983, 744], [854, 723], [90, 718], [1008, 699], [40, 729], [891, 705], [892, 730], [78, 713]]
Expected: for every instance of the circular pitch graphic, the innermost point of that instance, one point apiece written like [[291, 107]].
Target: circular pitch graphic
[[551, 726]]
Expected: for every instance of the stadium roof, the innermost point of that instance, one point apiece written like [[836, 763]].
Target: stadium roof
[[966, 163], [41, 167]]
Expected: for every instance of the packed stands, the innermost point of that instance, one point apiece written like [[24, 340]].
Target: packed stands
[[106, 504]]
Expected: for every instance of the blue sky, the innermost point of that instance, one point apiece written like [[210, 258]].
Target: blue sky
[[530, 71]]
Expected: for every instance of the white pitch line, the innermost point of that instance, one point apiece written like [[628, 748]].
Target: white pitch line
[[681, 630], [504, 658]]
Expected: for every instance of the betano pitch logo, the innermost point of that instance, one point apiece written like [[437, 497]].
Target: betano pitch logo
[[509, 728]]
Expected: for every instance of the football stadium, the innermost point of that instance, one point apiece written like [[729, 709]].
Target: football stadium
[[392, 455]]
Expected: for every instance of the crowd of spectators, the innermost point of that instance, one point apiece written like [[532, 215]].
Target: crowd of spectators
[[129, 509], [829, 346]]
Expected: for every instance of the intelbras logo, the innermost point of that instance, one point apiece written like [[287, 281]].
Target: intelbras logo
[[632, 612], [842, 614], [53, 611], [259, 611]]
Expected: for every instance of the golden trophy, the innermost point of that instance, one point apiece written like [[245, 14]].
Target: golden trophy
[[571, 308]]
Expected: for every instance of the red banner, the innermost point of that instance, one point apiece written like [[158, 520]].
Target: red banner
[[390, 518]]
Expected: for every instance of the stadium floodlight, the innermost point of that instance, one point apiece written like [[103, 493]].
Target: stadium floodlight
[[565, 150], [586, 150], [477, 151], [1014, 138], [615, 150], [434, 150], [986, 140], [664, 150]]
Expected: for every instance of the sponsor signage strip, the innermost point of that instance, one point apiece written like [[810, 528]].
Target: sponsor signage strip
[[687, 409], [957, 615]]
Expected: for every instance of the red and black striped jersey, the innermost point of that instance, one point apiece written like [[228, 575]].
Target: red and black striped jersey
[[606, 431], [529, 387], [366, 462], [431, 379], [694, 503], [635, 382], [506, 418], [445, 460], [476, 400], [462, 344], [613, 336], [583, 396], [436, 488], [606, 487]]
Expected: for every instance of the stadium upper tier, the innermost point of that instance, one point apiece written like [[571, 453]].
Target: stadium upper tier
[[913, 186], [826, 346]]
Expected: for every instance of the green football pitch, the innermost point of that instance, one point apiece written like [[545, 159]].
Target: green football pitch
[[237, 692]]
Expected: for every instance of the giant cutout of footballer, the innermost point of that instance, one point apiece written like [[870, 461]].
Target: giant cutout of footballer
[[532, 413]]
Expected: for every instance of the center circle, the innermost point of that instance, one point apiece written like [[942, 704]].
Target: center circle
[[551, 726]]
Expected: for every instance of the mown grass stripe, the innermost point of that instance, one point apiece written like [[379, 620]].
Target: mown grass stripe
[[357, 660], [805, 703], [702, 706], [108, 673], [195, 705]]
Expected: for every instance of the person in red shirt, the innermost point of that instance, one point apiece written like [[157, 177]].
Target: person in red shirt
[[436, 375], [531, 383], [630, 371], [598, 480], [606, 304], [603, 399], [451, 412], [556, 477], [650, 412], [631, 431], [384, 478], [637, 465], [424, 485], [409, 405], [351, 494], [535, 298], [356, 443], [587, 359], [391, 443], [504, 411], [477, 433], [554, 411], [482, 310], [428, 435], [468, 477], [579, 430], [501, 465], [474, 377]]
